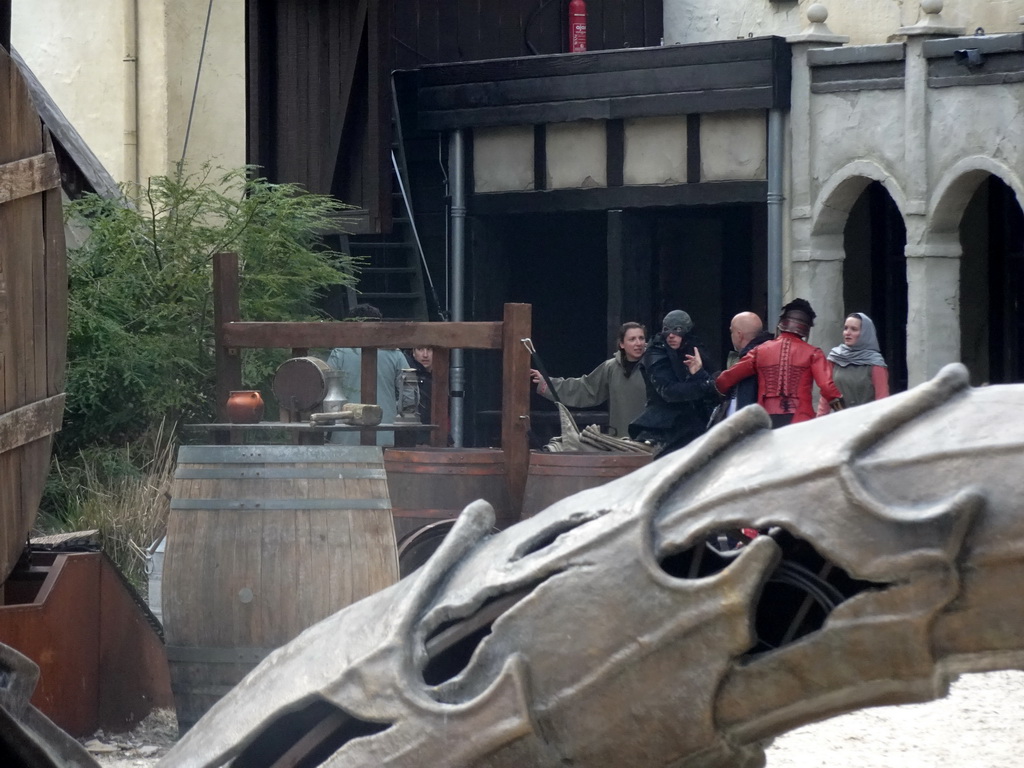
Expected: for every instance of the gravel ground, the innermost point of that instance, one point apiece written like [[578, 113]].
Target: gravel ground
[[979, 725]]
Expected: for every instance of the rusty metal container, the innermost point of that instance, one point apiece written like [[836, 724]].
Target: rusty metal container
[[555, 476], [431, 484], [263, 542]]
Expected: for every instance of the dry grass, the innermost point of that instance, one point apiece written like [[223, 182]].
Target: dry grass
[[129, 510]]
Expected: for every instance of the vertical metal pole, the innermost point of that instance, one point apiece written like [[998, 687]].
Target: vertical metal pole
[[776, 152], [456, 175]]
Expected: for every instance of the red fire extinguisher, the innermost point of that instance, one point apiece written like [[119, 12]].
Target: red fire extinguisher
[[577, 26]]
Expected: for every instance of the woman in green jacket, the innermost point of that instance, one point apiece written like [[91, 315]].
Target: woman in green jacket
[[617, 381]]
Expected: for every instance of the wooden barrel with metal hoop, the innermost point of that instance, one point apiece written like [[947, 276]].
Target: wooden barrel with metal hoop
[[263, 542], [431, 484], [33, 310], [555, 476]]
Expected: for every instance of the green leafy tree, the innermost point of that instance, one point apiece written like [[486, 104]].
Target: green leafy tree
[[140, 340]]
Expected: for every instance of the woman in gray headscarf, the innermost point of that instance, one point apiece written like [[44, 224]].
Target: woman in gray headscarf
[[858, 368]]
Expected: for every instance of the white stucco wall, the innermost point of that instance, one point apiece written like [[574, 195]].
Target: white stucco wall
[[577, 155], [866, 21], [503, 159], [654, 150], [77, 51], [733, 146]]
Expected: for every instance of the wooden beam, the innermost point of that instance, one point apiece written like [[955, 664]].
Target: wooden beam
[[28, 176], [713, 53], [338, 120], [610, 108], [226, 309], [439, 407], [387, 335], [515, 401], [368, 388], [31, 422], [612, 198]]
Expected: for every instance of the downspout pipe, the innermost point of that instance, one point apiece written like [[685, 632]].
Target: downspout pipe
[[131, 92], [776, 154], [457, 177]]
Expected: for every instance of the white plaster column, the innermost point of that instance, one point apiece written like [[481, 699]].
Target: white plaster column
[[933, 300], [933, 262], [818, 277], [915, 100], [816, 261]]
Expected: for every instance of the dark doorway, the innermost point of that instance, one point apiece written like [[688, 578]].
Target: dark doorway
[[991, 281], [710, 261], [556, 262], [875, 274]]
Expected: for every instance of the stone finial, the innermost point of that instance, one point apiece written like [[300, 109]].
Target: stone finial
[[931, 23], [817, 13], [817, 31]]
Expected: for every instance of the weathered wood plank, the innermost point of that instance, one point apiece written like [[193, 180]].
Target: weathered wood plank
[[439, 406], [28, 176], [56, 278], [715, 53], [226, 309], [31, 422], [626, 82], [515, 401], [642, 105], [382, 335], [610, 198]]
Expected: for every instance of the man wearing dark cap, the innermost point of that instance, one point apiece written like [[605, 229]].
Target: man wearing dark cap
[[680, 393], [786, 367]]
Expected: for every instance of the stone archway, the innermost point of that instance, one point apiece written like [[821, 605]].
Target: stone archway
[[979, 210], [857, 244]]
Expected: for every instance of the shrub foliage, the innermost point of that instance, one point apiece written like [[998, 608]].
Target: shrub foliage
[[140, 340]]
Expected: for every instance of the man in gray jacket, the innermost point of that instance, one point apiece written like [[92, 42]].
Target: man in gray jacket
[[390, 363]]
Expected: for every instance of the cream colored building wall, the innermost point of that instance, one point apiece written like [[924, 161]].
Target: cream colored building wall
[[865, 21], [77, 49]]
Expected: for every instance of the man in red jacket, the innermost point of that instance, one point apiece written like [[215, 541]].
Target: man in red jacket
[[785, 368]]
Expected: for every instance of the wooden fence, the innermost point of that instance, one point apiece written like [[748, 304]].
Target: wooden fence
[[233, 334]]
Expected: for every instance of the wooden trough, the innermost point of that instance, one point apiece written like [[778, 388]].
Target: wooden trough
[[33, 310]]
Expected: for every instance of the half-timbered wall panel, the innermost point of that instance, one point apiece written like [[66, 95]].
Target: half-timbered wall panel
[[318, 74]]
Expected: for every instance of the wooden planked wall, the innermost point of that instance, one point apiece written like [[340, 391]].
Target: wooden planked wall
[[318, 75]]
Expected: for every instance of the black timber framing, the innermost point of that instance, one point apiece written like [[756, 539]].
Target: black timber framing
[[669, 80], [5, 24], [610, 198], [1002, 61]]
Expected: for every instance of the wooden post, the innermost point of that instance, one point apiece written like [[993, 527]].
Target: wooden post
[[515, 401], [226, 309], [439, 397], [368, 388]]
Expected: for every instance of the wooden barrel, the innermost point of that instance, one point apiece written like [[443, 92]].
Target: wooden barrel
[[416, 547], [431, 484], [263, 542], [33, 310], [554, 476]]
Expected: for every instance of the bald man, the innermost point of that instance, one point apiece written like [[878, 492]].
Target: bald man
[[746, 332]]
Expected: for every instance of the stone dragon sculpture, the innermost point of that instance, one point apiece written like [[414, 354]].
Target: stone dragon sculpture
[[623, 626]]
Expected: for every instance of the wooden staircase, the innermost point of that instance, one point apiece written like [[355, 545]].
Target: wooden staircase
[[392, 275]]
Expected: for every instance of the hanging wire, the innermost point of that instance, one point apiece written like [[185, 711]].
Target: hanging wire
[[195, 89]]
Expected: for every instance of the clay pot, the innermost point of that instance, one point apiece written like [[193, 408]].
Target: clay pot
[[245, 406]]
